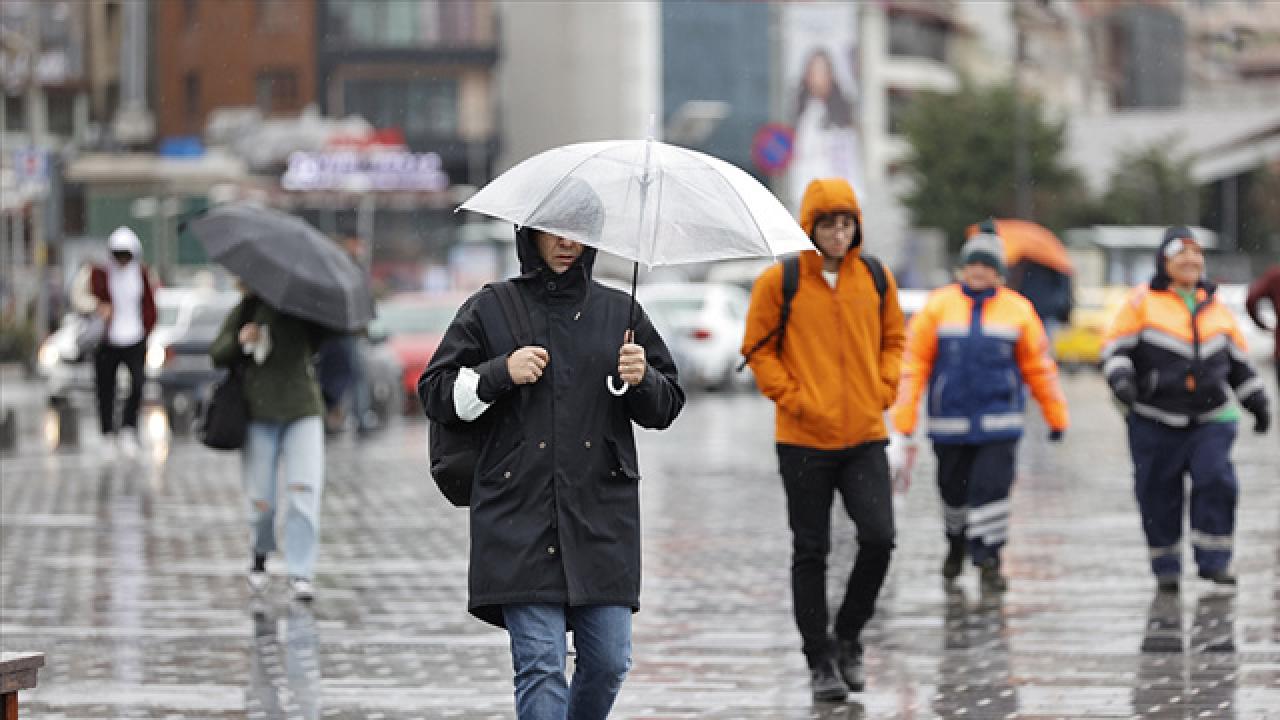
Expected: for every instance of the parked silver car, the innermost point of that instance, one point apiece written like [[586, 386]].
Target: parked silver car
[[702, 324]]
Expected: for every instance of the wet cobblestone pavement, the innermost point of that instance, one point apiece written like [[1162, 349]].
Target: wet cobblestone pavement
[[130, 578]]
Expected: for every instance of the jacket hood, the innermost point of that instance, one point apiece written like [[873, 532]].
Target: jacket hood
[[532, 264], [122, 239], [830, 195], [1170, 245]]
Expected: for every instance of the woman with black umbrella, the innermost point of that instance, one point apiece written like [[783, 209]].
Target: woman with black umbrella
[[285, 427]]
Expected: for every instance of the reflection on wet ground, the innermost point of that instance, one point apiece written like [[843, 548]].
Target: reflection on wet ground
[[129, 578]]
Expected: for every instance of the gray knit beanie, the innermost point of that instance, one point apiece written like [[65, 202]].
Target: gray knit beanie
[[985, 248]]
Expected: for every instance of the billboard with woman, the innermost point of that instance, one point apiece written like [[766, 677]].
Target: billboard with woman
[[822, 93]]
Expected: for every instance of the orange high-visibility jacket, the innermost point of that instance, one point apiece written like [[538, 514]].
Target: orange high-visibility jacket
[[974, 351], [1180, 361], [838, 369]]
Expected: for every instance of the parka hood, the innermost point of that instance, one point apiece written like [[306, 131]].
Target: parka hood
[[572, 210], [532, 264], [830, 195]]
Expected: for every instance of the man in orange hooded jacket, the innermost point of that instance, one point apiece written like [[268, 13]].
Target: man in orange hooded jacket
[[832, 376]]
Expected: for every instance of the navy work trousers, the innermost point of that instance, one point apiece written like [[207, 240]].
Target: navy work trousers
[[1162, 458], [975, 482]]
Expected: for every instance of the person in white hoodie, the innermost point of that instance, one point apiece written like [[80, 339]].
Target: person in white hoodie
[[122, 293]]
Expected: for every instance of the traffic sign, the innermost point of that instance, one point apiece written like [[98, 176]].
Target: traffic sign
[[772, 147]]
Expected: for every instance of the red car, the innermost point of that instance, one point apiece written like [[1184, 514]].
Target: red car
[[412, 325]]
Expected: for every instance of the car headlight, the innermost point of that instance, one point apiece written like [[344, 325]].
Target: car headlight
[[49, 356], [156, 355]]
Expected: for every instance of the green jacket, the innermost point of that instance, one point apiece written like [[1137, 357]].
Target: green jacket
[[284, 387]]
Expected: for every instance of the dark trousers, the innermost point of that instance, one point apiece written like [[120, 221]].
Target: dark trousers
[[811, 479], [975, 482], [106, 361], [1162, 457]]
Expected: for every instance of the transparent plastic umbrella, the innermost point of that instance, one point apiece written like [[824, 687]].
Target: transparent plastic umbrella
[[645, 201]]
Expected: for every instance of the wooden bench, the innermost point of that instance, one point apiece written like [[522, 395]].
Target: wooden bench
[[17, 672]]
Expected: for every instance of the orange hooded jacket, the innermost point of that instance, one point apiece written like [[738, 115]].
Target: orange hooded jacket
[[838, 369]]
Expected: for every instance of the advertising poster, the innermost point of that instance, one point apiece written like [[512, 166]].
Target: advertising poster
[[821, 93]]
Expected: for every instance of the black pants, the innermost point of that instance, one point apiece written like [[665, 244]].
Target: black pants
[[811, 478], [105, 363]]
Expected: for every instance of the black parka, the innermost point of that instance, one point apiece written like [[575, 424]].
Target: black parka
[[555, 512]]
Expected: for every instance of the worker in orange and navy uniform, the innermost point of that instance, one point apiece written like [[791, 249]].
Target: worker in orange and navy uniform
[[1170, 354], [975, 345]]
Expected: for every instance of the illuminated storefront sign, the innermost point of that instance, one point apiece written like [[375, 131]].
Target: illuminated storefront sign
[[355, 171]]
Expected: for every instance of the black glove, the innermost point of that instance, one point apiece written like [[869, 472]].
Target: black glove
[[1124, 390], [1055, 436], [1257, 405]]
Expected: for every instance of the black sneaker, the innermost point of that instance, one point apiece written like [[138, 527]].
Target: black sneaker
[[826, 684], [992, 580], [954, 563], [1167, 584], [849, 662], [1221, 581]]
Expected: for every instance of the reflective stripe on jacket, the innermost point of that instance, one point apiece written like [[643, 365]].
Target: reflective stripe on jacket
[[1180, 360], [973, 352]]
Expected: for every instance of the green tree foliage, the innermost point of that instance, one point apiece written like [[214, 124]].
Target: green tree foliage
[[1152, 185], [961, 161]]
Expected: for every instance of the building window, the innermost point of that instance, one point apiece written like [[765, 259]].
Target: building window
[[15, 113], [404, 23], [914, 35], [276, 90], [271, 14], [422, 108], [191, 100], [899, 100]]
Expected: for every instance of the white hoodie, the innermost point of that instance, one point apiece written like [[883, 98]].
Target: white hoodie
[[125, 286]]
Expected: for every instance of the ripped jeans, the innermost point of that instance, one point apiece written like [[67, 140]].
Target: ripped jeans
[[299, 446]]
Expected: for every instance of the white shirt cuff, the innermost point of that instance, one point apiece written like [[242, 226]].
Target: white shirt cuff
[[466, 401]]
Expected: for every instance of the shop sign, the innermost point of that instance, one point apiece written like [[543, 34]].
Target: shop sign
[[356, 171]]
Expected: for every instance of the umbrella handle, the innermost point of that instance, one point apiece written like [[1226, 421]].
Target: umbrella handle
[[617, 392]]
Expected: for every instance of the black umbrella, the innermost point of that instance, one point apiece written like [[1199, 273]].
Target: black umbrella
[[288, 264]]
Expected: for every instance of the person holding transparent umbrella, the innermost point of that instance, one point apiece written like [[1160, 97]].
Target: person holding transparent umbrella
[[555, 512]]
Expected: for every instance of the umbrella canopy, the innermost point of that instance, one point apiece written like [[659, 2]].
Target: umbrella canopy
[[289, 264], [1025, 240], [643, 200]]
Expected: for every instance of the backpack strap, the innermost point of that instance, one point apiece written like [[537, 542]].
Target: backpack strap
[[790, 284], [514, 311], [876, 268]]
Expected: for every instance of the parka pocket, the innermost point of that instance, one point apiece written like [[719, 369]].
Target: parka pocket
[[621, 469], [506, 467]]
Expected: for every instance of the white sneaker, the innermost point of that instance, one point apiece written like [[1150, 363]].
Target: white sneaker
[[258, 581], [303, 590], [107, 450], [129, 447]]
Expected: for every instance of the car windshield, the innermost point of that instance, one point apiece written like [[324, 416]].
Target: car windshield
[[206, 317], [166, 314], [669, 309], [412, 319]]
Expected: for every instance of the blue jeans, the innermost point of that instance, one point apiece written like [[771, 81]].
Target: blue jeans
[[299, 445], [602, 639]]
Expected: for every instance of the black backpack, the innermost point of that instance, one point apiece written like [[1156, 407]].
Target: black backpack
[[455, 449], [791, 283]]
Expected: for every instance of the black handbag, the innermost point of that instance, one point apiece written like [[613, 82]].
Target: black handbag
[[226, 414], [225, 420]]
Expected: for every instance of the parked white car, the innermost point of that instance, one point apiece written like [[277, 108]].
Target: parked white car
[[702, 324]]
